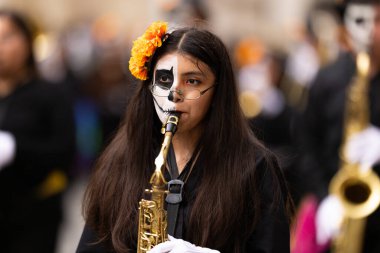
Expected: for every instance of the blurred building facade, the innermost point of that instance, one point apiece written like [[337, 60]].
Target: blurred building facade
[[269, 19]]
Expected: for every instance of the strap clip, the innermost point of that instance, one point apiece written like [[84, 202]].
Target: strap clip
[[175, 188]]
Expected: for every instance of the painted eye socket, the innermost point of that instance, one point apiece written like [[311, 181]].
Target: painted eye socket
[[164, 81], [164, 78]]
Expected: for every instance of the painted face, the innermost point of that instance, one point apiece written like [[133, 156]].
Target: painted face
[[178, 72], [359, 21]]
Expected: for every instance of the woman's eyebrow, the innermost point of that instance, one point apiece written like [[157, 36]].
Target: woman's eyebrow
[[193, 73]]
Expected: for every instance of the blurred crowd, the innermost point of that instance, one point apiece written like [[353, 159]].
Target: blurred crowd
[[62, 96]]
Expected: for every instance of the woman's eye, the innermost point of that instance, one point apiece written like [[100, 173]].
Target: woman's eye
[[164, 79], [193, 82]]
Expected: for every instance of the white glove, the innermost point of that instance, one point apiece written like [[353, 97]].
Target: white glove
[[273, 102], [179, 246], [364, 148], [7, 148], [328, 219]]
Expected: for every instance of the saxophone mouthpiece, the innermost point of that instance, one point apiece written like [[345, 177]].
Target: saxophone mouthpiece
[[172, 122]]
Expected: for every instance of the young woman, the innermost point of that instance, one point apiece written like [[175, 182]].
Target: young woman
[[234, 198]]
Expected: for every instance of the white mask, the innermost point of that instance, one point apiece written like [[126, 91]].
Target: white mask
[[359, 21]]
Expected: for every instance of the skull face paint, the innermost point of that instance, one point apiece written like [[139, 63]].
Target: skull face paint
[[166, 76], [178, 72], [359, 21]]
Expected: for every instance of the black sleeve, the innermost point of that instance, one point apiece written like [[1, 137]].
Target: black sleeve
[[55, 147], [310, 143], [87, 243], [272, 234], [41, 119]]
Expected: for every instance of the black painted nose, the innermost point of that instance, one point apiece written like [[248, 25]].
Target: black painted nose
[[174, 96]]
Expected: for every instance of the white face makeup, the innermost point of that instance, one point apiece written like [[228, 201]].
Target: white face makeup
[[178, 73], [165, 74], [359, 21]]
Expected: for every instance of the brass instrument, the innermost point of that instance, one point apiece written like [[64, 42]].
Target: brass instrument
[[152, 215], [357, 190]]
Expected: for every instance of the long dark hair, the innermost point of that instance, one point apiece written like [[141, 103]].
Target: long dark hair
[[25, 27], [229, 190]]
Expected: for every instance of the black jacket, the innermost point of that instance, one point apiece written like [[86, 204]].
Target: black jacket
[[271, 233]]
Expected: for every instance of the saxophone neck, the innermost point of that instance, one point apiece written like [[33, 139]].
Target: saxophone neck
[[363, 64], [157, 180], [357, 105]]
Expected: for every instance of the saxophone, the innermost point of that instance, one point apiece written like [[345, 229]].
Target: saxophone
[[357, 190], [152, 228]]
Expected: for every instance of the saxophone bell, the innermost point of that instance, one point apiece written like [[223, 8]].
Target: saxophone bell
[[359, 192]]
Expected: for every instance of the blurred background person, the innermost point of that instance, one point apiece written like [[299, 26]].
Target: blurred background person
[[261, 96], [326, 143], [94, 60], [260, 76], [109, 85], [36, 144], [182, 12], [315, 43]]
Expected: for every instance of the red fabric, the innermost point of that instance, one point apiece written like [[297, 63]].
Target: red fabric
[[304, 228]]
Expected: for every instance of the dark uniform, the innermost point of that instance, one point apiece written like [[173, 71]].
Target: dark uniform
[[41, 120], [271, 233]]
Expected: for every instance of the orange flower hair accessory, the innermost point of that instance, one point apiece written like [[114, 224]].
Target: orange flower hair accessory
[[144, 47]]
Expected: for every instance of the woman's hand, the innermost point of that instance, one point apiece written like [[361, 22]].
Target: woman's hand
[[179, 246]]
